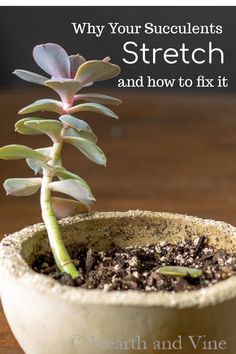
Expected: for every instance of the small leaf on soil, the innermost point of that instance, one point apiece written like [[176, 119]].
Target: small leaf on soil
[[178, 271]]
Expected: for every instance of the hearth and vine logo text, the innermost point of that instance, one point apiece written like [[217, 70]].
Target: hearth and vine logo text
[[134, 51], [102, 344]]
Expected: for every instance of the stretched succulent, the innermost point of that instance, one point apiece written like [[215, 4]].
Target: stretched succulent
[[69, 74]]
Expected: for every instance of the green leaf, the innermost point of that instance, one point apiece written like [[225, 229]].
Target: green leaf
[[73, 188], [65, 88], [51, 127], [96, 70], [18, 152], [21, 128], [79, 128], [178, 271], [63, 174], [22, 186], [64, 207], [98, 98], [89, 135], [89, 149], [43, 105], [37, 166], [75, 122], [71, 132], [93, 107]]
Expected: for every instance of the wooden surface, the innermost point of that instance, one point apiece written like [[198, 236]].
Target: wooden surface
[[167, 152]]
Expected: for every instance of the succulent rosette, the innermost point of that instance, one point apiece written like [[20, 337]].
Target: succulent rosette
[[68, 73]]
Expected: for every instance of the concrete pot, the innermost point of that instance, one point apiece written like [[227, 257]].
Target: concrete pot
[[47, 318]]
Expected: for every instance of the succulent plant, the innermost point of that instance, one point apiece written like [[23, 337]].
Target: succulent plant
[[69, 74]]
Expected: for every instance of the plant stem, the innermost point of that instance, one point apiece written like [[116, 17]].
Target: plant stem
[[61, 256]]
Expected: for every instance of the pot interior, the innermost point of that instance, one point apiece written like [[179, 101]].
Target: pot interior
[[101, 231]]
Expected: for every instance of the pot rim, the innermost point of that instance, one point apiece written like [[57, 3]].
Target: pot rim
[[13, 265]]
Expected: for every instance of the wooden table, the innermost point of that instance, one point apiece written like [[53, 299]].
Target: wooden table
[[174, 152]]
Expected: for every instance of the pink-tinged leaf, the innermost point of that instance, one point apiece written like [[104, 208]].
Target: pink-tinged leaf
[[75, 62], [66, 89], [96, 70], [68, 207], [19, 152], [43, 105], [53, 59], [18, 187], [30, 77], [73, 188], [106, 59], [98, 98], [89, 149], [93, 107], [50, 127]]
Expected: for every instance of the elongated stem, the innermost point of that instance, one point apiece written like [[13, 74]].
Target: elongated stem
[[61, 256]]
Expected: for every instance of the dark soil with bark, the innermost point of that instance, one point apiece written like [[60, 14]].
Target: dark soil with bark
[[136, 267]]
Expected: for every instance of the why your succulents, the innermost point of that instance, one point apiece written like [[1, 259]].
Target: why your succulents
[[68, 75]]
